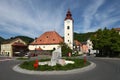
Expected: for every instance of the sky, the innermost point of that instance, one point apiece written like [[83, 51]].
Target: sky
[[34, 17]]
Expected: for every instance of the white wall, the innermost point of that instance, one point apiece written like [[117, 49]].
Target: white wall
[[68, 31], [6, 49], [43, 47]]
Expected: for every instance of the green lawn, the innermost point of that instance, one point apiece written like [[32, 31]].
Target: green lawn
[[79, 63]]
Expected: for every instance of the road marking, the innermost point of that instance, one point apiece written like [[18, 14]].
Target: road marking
[[5, 59]]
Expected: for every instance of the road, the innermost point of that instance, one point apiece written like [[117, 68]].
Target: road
[[106, 69]]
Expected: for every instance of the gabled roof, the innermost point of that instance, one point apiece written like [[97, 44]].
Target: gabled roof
[[50, 37], [77, 43], [10, 40], [18, 44]]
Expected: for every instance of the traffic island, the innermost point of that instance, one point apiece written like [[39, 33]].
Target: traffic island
[[27, 67]]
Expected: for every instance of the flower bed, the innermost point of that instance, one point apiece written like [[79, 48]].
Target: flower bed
[[79, 63]]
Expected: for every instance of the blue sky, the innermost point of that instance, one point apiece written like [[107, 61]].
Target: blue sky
[[34, 17]]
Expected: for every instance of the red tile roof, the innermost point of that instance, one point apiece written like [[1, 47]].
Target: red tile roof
[[50, 37], [77, 43], [118, 29]]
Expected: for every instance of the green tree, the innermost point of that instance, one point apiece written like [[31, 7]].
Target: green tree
[[65, 49], [107, 42]]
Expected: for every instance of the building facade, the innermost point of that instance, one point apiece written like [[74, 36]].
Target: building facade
[[13, 46]]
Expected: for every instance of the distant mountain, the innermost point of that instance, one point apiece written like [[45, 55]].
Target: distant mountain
[[1, 39], [24, 38], [82, 37]]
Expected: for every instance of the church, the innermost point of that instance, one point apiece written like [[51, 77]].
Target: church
[[51, 39]]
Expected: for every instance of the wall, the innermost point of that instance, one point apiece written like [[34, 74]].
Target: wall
[[43, 47]]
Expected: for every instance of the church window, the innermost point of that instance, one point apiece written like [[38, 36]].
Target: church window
[[68, 34], [53, 39], [68, 27], [54, 49], [68, 40]]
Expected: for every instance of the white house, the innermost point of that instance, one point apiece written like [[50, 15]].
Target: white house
[[47, 41], [12, 46]]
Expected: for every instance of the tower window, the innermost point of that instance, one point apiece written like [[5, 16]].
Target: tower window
[[68, 34], [68, 40], [68, 27]]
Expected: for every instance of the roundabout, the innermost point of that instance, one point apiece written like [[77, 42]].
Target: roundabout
[[17, 68]]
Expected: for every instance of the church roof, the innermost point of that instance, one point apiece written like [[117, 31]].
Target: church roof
[[50, 37], [68, 15]]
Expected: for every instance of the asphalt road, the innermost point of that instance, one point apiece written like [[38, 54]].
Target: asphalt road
[[106, 69]]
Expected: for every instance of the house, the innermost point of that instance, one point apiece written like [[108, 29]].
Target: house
[[13, 47], [47, 41], [117, 29], [84, 48], [77, 45]]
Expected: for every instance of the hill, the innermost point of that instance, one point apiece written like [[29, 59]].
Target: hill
[[1, 39], [25, 38], [82, 37]]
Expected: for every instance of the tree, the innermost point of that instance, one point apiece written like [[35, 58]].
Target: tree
[[65, 49], [107, 42]]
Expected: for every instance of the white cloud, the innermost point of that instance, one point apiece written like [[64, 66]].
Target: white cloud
[[16, 18], [89, 13]]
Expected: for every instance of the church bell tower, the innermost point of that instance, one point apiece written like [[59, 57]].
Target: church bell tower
[[68, 29]]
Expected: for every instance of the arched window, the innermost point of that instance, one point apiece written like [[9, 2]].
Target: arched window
[[68, 27], [68, 40]]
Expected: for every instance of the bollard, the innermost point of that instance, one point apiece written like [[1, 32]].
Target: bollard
[[69, 54], [85, 60], [35, 64]]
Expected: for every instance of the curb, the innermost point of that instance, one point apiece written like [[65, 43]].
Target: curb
[[108, 58], [31, 72]]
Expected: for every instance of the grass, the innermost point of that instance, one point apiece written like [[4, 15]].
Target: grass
[[79, 63]]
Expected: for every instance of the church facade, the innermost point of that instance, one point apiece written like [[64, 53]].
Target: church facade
[[51, 39], [47, 41]]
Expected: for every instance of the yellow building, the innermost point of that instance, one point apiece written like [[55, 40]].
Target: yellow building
[[12, 47]]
